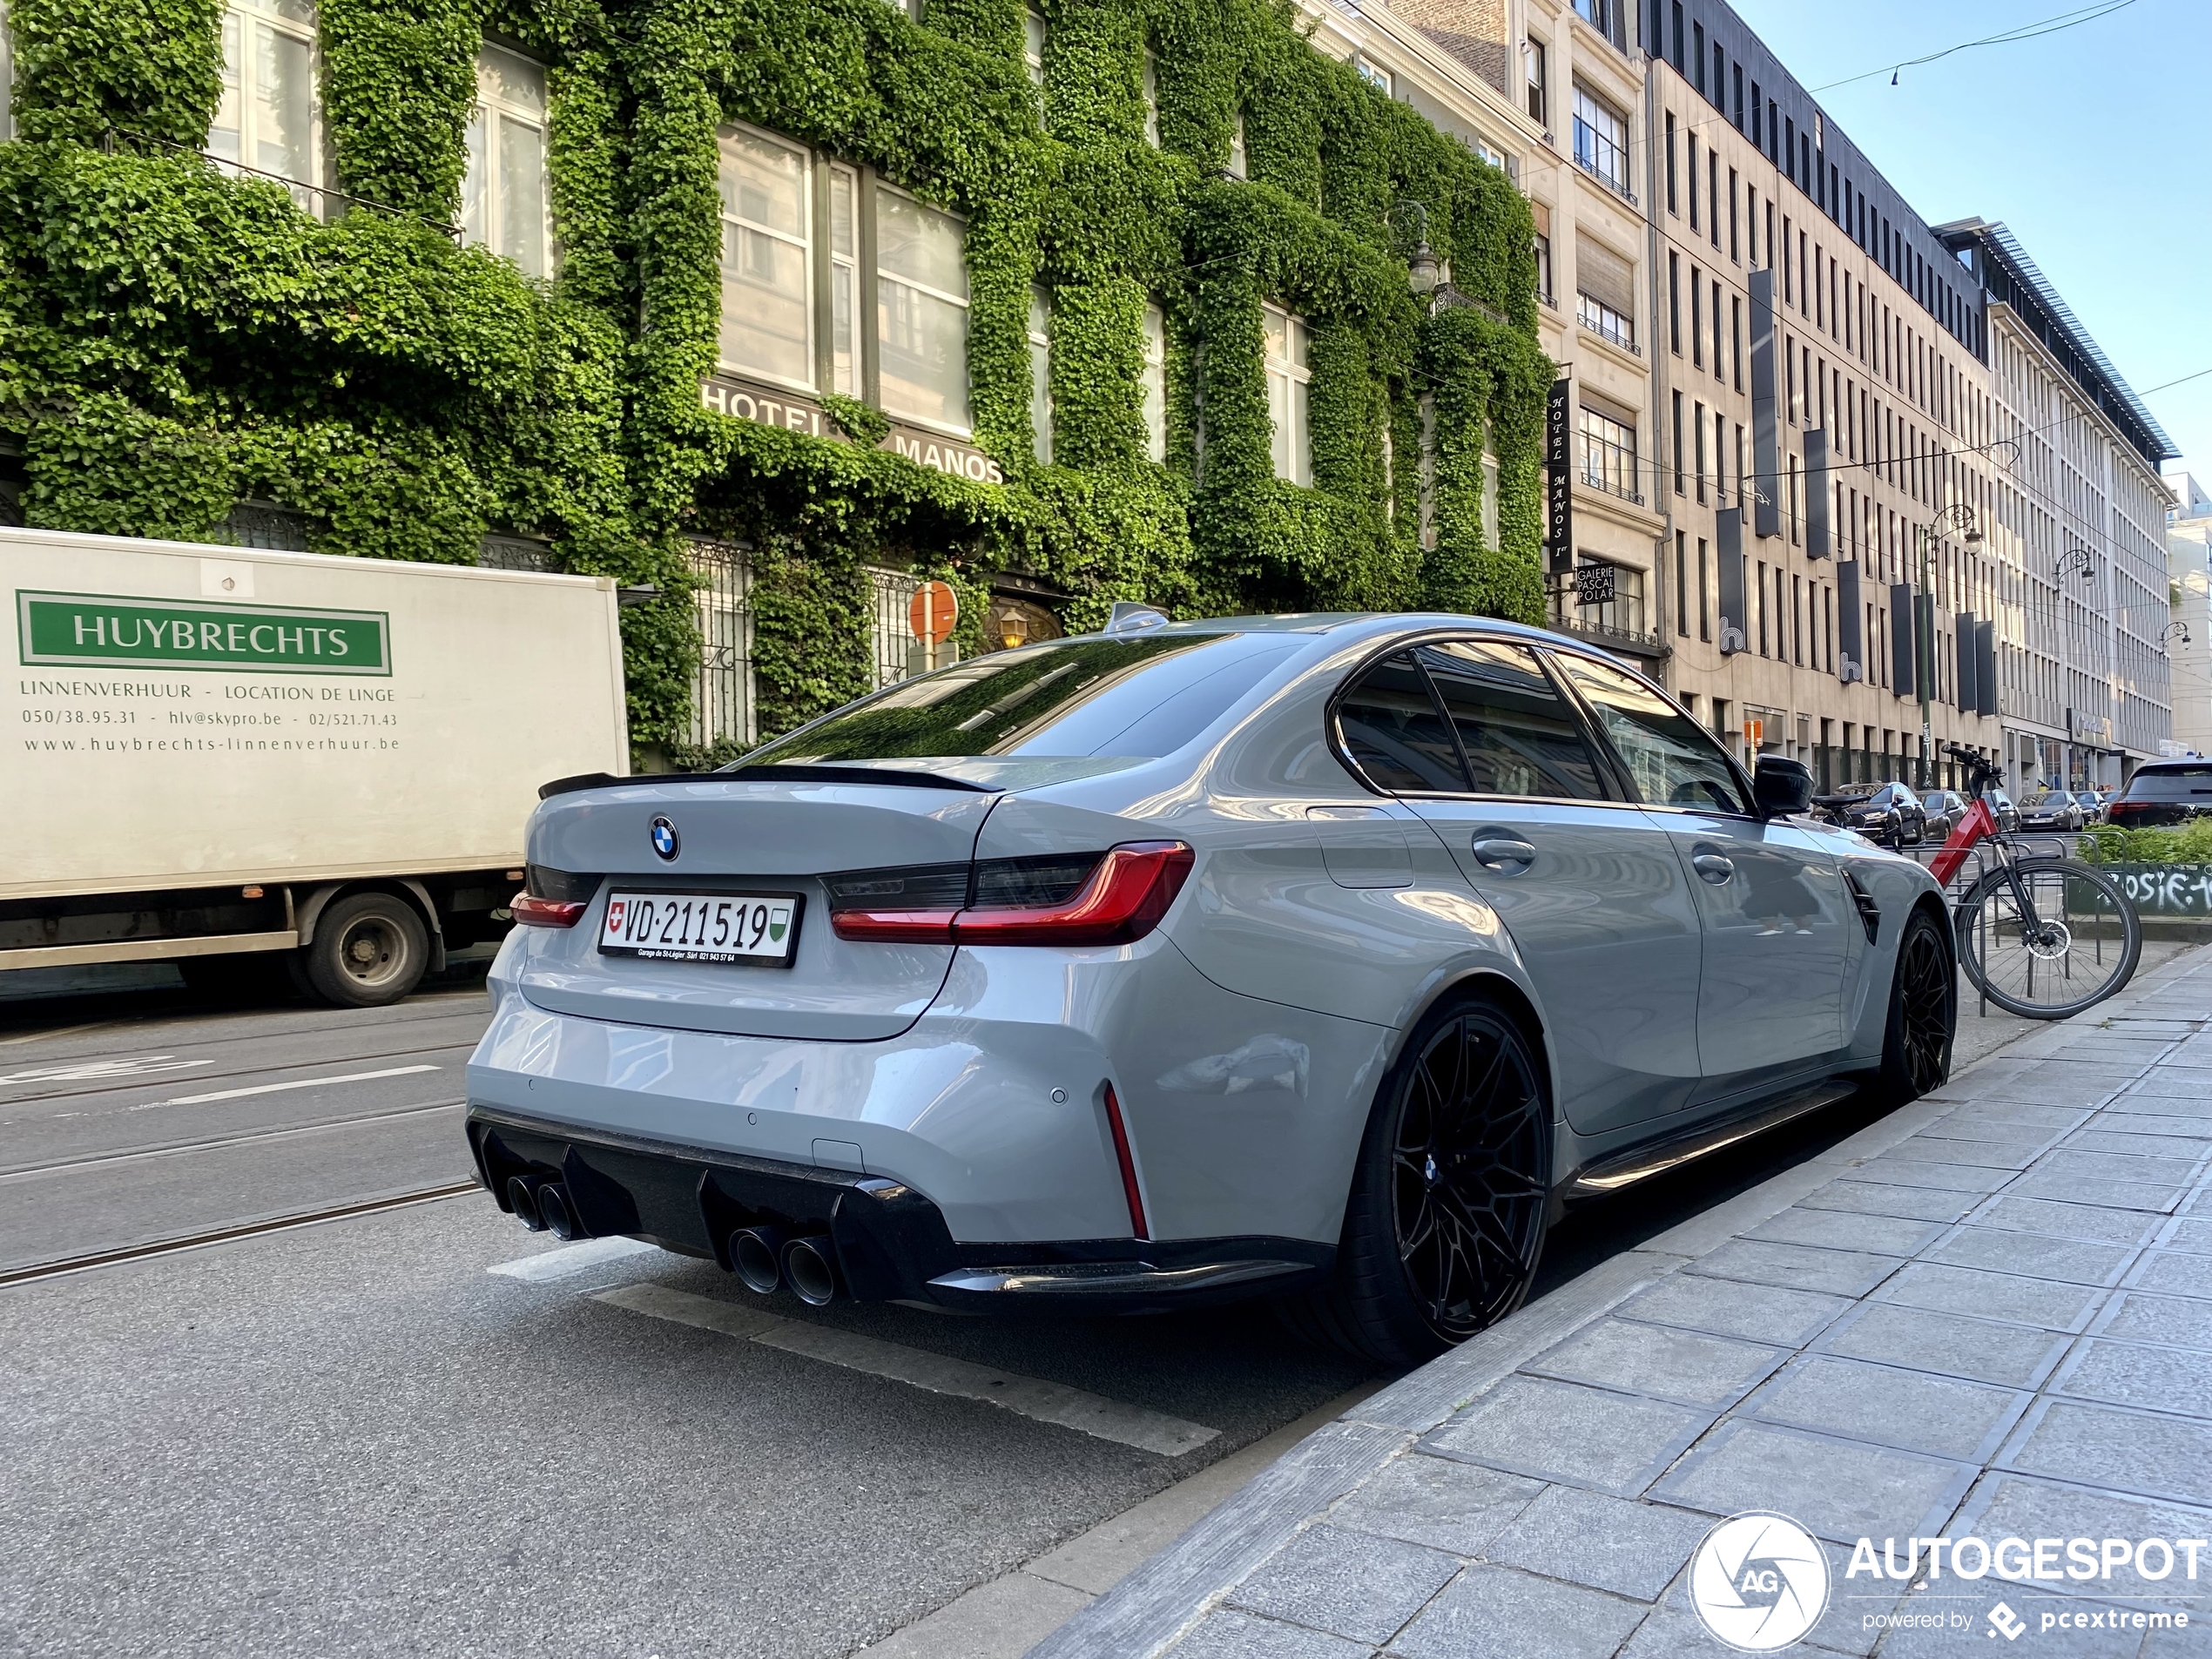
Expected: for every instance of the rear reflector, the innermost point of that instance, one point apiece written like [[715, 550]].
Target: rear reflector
[[1138, 1229], [1128, 891], [546, 913]]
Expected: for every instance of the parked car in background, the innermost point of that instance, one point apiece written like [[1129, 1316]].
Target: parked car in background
[[1889, 814], [2051, 809], [1943, 807], [2097, 803], [1318, 956], [2163, 792]]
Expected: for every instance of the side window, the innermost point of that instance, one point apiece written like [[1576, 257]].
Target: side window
[[1394, 732], [1519, 735], [1672, 762]]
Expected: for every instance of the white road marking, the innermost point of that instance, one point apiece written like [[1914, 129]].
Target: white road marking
[[77, 1071], [1032, 1397], [570, 1259], [276, 1089]]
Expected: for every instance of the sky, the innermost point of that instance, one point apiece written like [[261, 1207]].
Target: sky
[[2090, 144]]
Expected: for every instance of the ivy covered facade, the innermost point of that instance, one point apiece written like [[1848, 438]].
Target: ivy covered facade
[[1093, 300]]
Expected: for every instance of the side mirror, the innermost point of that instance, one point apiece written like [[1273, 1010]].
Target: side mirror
[[1781, 786]]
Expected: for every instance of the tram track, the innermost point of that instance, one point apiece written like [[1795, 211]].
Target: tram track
[[86, 1262]]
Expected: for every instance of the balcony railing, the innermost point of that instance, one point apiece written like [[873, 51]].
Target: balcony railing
[[1602, 159], [1606, 323], [1611, 466], [1635, 642]]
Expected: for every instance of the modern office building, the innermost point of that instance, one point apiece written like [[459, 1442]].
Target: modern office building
[[1826, 414], [2189, 571], [2079, 533]]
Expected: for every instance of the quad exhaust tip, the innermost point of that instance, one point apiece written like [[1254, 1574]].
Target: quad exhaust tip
[[811, 1273], [553, 1210], [757, 1255], [523, 1203]]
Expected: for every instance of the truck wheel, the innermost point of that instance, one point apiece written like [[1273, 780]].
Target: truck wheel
[[369, 948]]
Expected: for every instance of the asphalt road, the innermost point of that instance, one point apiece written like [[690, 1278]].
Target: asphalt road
[[353, 1437]]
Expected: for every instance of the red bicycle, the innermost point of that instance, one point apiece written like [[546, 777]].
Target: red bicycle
[[2041, 936]]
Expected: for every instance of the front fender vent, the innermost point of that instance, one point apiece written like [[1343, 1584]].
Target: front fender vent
[[1869, 913]]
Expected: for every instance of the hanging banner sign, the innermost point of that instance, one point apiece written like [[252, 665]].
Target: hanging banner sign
[[1559, 517]]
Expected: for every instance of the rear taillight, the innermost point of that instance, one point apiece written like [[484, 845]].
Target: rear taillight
[[534, 912], [1089, 898], [554, 899]]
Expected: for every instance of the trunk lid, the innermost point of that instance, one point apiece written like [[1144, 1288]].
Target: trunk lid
[[769, 836]]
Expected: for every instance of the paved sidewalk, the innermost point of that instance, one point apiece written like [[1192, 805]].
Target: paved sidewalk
[[1988, 1314]]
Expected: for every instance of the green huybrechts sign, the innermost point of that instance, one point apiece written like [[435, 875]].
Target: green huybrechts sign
[[118, 630]]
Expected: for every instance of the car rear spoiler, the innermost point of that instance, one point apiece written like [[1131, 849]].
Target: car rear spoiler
[[790, 774]]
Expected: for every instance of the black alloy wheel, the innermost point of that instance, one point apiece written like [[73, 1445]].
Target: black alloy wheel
[[1467, 1203], [1924, 1012], [1446, 1219]]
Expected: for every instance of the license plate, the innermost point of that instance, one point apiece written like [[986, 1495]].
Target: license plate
[[703, 926]]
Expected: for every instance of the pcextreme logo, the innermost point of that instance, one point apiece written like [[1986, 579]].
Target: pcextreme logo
[[1759, 1582]]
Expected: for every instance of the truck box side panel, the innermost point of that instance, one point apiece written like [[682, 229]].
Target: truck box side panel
[[183, 715]]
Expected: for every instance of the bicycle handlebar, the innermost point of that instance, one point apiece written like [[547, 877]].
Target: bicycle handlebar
[[1981, 774]]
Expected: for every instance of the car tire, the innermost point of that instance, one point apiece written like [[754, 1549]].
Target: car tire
[[370, 949], [1434, 1250], [1922, 1014]]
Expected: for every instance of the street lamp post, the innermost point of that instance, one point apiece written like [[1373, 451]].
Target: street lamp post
[[1959, 515]]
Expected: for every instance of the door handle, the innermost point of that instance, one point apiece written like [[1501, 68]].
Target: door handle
[[1712, 866], [1494, 852]]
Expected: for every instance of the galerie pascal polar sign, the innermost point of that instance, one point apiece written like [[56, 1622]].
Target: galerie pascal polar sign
[[112, 630]]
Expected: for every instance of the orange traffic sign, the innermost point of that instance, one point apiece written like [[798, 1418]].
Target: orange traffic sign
[[932, 613]]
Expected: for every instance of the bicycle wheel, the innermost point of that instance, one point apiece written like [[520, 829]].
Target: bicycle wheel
[[2046, 938]]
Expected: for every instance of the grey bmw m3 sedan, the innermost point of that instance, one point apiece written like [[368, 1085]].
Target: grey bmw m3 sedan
[[1326, 958]]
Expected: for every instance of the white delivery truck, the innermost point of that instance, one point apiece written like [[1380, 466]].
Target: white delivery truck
[[211, 754]]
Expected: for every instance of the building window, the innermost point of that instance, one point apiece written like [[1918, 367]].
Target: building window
[[1625, 612], [1489, 490], [270, 116], [1689, 147], [1682, 584], [1040, 372], [1608, 455], [1601, 142], [1376, 76], [1674, 301], [1704, 592], [1697, 435], [7, 77], [1532, 62], [1543, 267], [1605, 286], [1150, 88], [781, 322], [1287, 380], [1677, 443], [1033, 37], [503, 203], [768, 322], [1672, 197], [1152, 383], [1604, 321], [1597, 13], [1696, 318], [1733, 251], [921, 309], [723, 702], [1240, 165]]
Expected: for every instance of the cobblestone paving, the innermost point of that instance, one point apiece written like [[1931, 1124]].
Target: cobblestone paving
[[1991, 1313]]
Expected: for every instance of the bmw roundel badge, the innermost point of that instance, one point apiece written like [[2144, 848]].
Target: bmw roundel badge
[[665, 841]]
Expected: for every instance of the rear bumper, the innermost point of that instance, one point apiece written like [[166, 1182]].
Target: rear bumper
[[891, 1242]]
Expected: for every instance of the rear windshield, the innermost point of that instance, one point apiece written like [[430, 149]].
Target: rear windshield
[[2171, 783], [1139, 699]]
